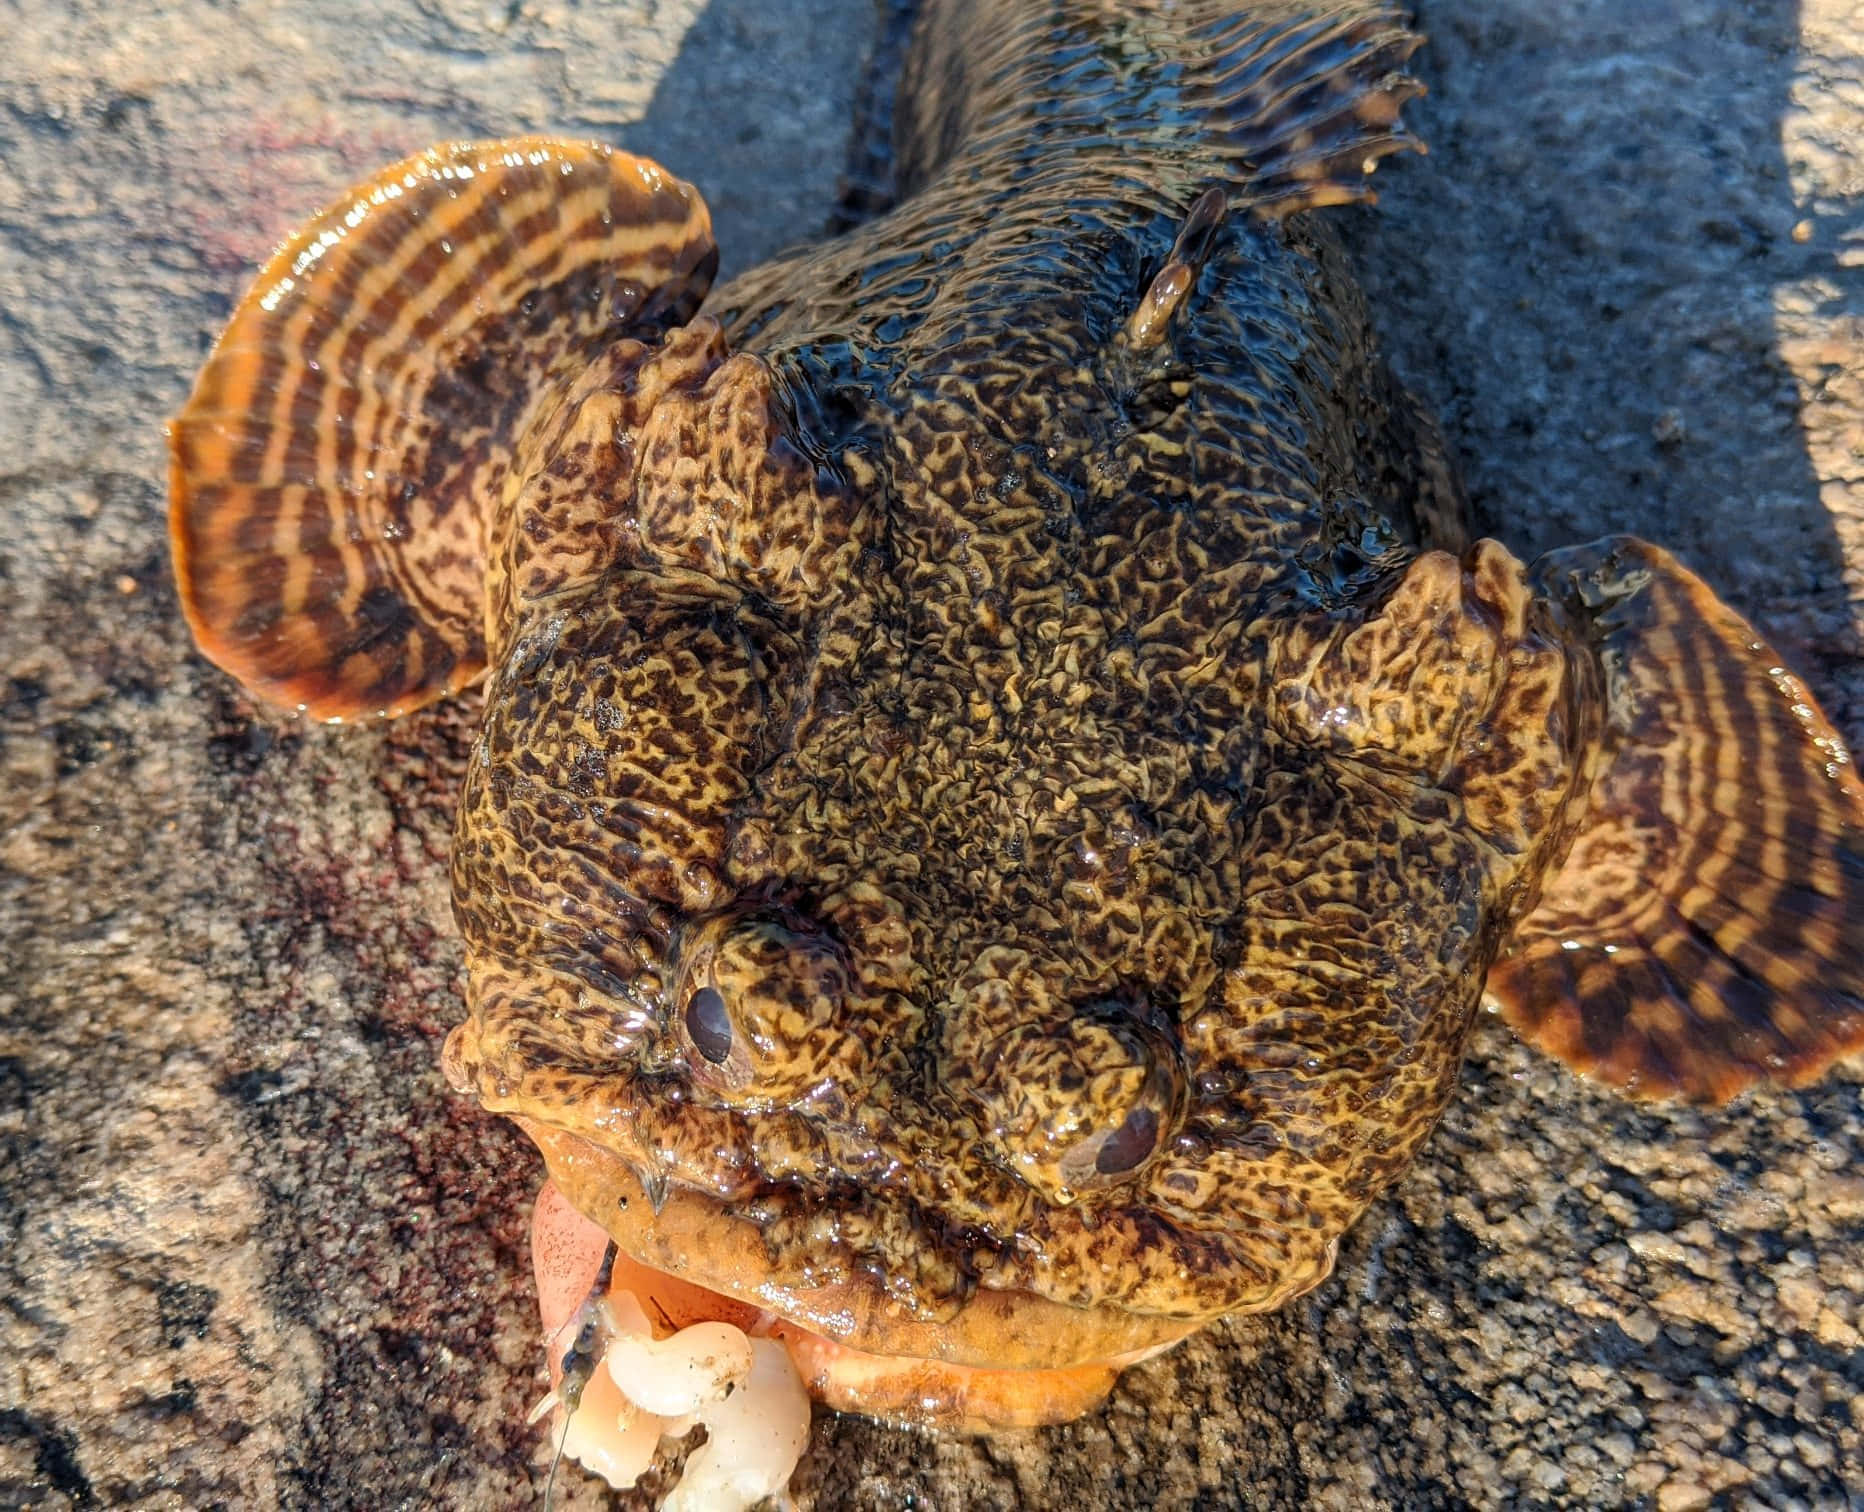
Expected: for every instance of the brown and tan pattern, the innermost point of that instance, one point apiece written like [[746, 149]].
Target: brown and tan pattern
[[335, 465], [1705, 931], [1004, 776]]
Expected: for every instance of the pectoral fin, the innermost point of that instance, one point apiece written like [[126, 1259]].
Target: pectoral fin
[[1706, 930], [333, 470]]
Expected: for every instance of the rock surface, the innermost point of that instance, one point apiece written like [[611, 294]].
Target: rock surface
[[255, 1254]]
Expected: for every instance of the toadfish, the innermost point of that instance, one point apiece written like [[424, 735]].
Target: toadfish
[[1005, 776]]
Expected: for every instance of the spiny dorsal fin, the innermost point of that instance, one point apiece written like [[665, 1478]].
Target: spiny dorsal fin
[[1706, 930], [332, 472], [1294, 99]]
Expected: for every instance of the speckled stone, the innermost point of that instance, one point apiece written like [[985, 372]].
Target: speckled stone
[[255, 1254]]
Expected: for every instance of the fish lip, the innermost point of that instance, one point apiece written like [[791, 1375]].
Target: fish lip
[[901, 1390], [696, 1238]]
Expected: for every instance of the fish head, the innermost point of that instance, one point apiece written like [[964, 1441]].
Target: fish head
[[950, 931]]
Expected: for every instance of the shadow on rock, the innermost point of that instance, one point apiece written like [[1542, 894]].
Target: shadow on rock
[[1585, 279]]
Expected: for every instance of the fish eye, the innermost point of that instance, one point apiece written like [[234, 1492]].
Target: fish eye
[[761, 1015], [1127, 1147], [1078, 1102], [708, 1024], [1113, 1153]]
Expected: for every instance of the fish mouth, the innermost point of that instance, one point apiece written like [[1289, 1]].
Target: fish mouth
[[1001, 1359]]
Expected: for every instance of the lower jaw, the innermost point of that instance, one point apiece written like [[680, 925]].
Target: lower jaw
[[567, 1252], [695, 1329], [695, 1239]]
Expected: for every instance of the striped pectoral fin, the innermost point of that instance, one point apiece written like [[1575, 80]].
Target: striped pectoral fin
[[1706, 930], [334, 470]]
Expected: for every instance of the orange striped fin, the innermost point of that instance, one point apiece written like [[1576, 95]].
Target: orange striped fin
[[1706, 931], [333, 470]]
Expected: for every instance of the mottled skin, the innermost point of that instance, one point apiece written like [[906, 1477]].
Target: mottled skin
[[1004, 778], [1039, 738]]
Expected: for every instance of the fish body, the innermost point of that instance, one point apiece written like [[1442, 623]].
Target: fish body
[[1005, 778], [1068, 443]]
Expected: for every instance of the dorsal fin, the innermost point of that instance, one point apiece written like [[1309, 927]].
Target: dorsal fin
[[1293, 100], [1706, 930], [333, 469], [1308, 95]]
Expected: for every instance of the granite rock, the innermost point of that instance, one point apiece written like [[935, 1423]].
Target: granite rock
[[254, 1253]]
